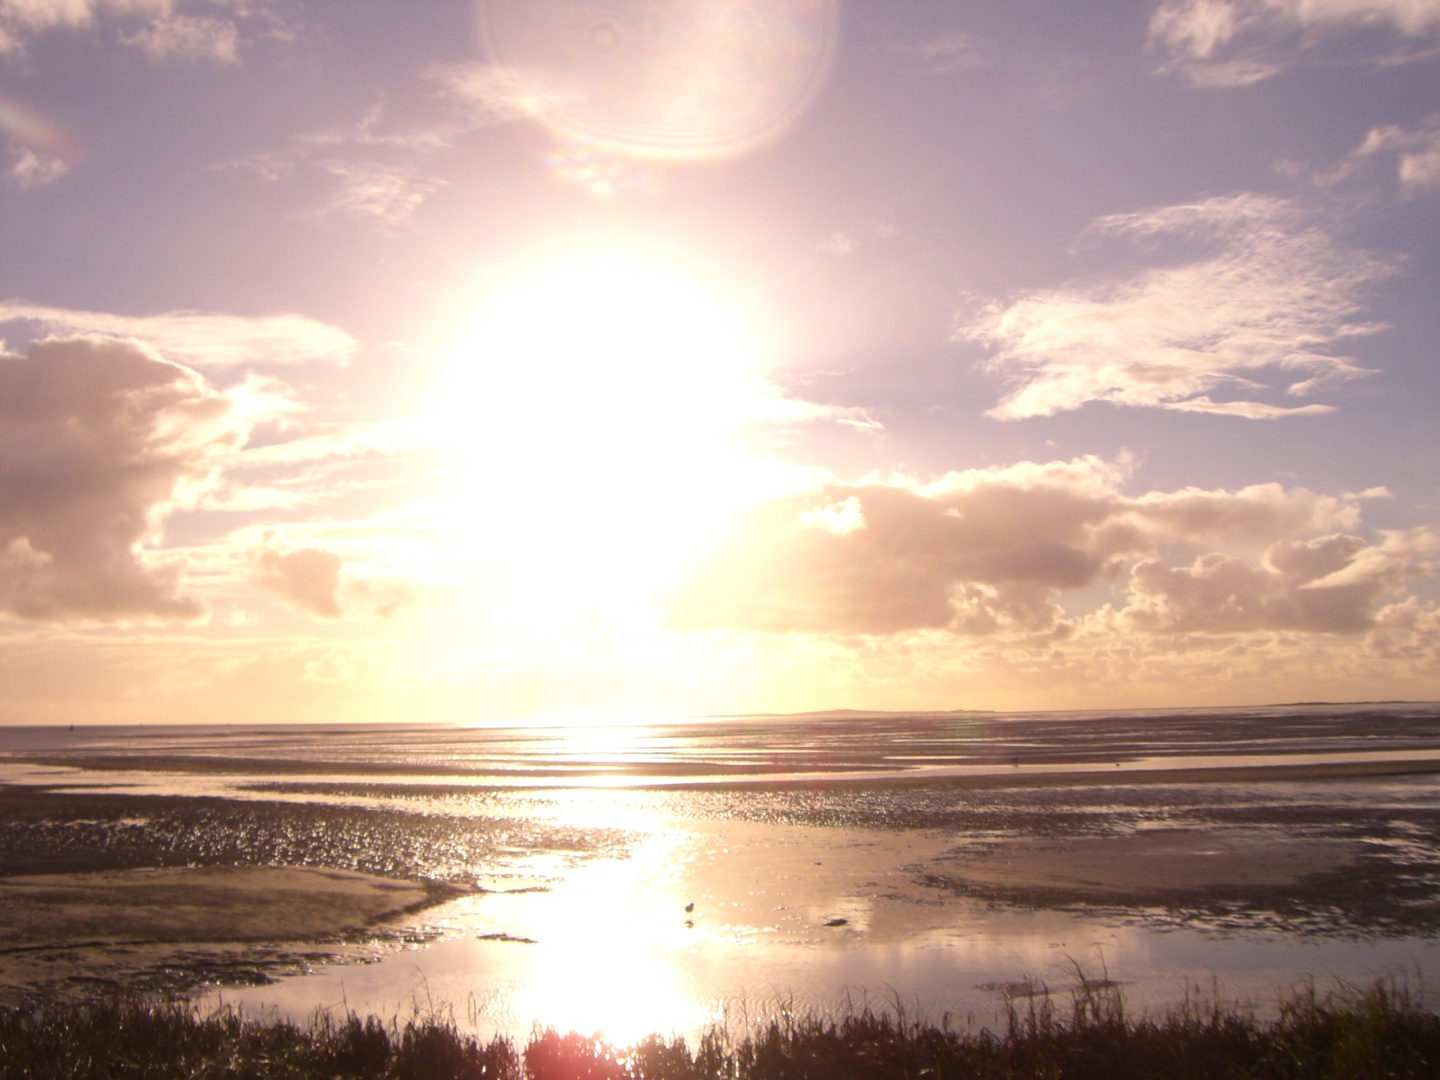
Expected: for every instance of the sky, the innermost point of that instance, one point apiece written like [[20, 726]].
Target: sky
[[479, 360]]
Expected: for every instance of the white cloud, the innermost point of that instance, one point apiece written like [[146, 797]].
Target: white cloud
[[374, 166], [1268, 291], [839, 244], [842, 519], [42, 151], [196, 338], [1417, 152], [318, 464], [157, 27], [943, 54], [989, 553], [492, 93], [189, 37], [31, 170], [99, 441], [45, 14], [1414, 17], [387, 195], [1194, 28], [386, 437], [1224, 43]]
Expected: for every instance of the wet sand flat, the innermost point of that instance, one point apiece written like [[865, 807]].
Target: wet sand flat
[[1149, 863], [173, 927], [210, 904], [845, 845]]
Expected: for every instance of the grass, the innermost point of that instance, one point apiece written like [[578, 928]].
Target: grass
[[1382, 1032]]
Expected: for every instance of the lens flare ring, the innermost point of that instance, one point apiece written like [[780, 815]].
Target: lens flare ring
[[664, 79]]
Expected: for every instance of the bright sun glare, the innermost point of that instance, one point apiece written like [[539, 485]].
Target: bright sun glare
[[591, 410]]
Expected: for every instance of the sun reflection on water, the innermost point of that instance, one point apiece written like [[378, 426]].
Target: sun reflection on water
[[612, 949]]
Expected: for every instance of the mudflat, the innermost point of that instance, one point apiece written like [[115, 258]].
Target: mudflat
[[1150, 862], [186, 873], [176, 926], [194, 905]]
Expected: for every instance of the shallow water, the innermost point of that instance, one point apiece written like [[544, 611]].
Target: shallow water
[[1014, 852], [607, 948]]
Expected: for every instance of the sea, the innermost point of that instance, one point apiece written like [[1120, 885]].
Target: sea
[[624, 879]]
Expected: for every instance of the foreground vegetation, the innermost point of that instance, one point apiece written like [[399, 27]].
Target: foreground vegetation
[[1382, 1032]]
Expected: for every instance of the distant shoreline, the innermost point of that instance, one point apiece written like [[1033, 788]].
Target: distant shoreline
[[643, 777], [552, 722]]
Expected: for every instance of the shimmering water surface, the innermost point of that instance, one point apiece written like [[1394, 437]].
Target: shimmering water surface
[[941, 862]]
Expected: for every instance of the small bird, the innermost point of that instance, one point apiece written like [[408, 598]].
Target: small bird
[[690, 907]]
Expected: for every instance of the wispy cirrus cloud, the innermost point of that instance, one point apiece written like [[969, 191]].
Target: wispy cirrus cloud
[[943, 53], [382, 168], [488, 93], [380, 171], [1256, 287], [308, 462], [1230, 43], [383, 194], [199, 339]]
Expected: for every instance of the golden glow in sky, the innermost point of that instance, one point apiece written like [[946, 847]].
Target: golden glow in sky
[[592, 409], [537, 358]]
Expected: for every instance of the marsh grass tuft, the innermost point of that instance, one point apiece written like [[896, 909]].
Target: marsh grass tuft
[[1383, 1031]]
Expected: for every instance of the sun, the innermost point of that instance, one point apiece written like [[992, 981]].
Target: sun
[[590, 410]]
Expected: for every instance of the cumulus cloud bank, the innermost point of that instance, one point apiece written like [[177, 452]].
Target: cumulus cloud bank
[[1240, 42], [1329, 584], [990, 552], [99, 441], [1268, 289]]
